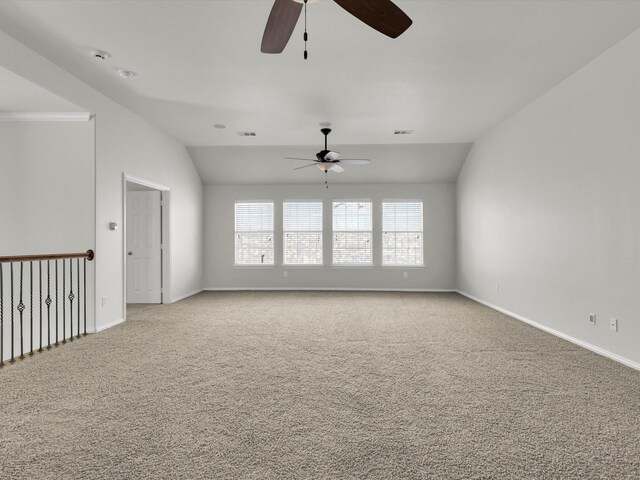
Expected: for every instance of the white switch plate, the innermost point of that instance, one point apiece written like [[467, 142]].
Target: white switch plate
[[286, 273], [592, 318], [405, 274], [613, 324]]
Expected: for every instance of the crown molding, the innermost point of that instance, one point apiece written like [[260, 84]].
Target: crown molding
[[45, 116]]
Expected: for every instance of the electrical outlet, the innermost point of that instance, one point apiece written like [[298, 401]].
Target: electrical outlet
[[285, 273], [613, 324], [405, 274], [497, 287], [592, 318]]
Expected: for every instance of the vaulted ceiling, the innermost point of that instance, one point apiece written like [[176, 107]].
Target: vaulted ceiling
[[18, 95], [460, 69]]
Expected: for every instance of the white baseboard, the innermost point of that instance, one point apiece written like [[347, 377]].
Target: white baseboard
[[564, 336], [109, 325], [182, 297], [330, 289]]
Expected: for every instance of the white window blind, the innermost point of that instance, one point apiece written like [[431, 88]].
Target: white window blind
[[302, 224], [254, 233], [352, 233], [402, 233]]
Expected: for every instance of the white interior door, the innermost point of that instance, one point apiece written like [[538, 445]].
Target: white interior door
[[144, 254]]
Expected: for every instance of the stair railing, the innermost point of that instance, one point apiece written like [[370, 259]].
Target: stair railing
[[20, 282]]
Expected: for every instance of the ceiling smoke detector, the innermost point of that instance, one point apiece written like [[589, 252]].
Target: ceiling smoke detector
[[100, 54], [126, 73]]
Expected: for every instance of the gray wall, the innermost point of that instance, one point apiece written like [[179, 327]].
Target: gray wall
[[549, 207], [439, 239]]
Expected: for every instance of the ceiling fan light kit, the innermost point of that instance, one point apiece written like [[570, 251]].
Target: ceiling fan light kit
[[328, 160]]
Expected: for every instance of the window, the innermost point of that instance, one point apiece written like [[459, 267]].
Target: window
[[302, 233], [352, 233], [402, 233], [254, 233]]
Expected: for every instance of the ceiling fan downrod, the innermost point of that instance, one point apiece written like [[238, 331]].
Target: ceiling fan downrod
[[305, 36]]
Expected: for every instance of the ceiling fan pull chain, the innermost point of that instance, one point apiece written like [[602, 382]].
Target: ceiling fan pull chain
[[326, 183], [305, 36]]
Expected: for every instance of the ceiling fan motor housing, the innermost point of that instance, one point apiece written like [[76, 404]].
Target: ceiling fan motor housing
[[322, 155]]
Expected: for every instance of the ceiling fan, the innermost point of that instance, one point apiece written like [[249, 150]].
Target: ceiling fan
[[328, 160], [381, 15]]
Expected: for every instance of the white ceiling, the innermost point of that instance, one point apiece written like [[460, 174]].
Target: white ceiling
[[18, 95], [460, 69]]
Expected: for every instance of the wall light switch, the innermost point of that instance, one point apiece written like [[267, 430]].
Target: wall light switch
[[405, 274], [592, 318], [285, 273], [613, 324]]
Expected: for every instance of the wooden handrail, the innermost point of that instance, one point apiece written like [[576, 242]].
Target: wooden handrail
[[89, 255]]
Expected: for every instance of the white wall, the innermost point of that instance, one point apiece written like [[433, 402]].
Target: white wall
[[47, 187], [124, 143], [549, 202], [439, 239]]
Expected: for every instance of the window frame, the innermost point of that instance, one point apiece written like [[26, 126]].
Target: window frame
[[236, 231], [369, 264], [383, 231]]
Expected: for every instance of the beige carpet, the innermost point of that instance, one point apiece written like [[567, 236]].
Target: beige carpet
[[319, 386]]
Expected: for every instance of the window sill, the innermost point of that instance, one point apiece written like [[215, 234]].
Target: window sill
[[396, 267], [353, 266], [294, 266], [257, 265]]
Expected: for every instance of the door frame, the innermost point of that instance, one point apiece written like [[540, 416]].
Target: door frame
[[165, 204]]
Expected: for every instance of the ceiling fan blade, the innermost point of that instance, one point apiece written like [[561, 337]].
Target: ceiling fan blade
[[337, 169], [305, 166], [296, 158], [355, 161], [331, 156], [280, 25], [381, 15]]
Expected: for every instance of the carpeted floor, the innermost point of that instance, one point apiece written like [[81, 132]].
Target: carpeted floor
[[319, 385]]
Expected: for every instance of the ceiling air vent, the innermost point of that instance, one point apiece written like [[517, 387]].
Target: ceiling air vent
[[402, 132], [247, 134]]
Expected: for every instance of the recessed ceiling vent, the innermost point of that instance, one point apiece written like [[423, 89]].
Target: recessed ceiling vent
[[402, 132], [247, 134], [100, 54]]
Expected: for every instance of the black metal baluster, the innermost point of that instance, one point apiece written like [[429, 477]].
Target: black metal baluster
[[48, 302], [30, 308], [12, 323], [1, 316], [40, 303], [85, 296], [64, 302], [57, 342], [71, 300], [78, 271], [21, 310]]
